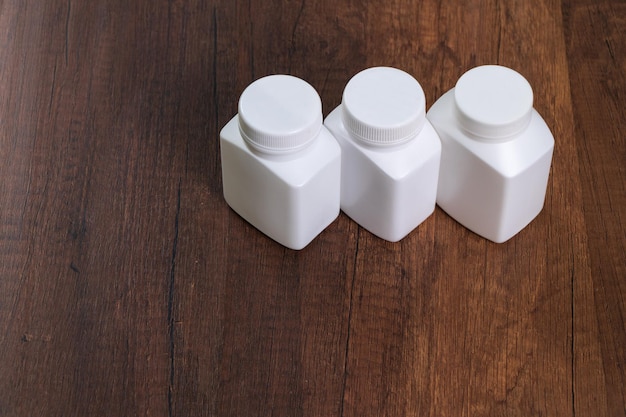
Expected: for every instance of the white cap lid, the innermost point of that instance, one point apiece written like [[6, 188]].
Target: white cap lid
[[383, 106], [279, 114], [493, 102]]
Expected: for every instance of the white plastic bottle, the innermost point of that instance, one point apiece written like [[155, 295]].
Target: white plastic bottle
[[280, 165], [496, 154], [390, 152]]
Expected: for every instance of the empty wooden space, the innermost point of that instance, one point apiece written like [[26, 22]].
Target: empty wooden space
[[129, 287]]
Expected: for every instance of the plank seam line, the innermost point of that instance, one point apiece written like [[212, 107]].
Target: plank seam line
[[345, 362], [170, 303]]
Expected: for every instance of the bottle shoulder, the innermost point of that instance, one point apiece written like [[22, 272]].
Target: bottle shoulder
[[294, 169], [395, 161], [506, 157]]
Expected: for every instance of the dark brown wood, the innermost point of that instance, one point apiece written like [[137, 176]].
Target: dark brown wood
[[597, 66], [128, 287]]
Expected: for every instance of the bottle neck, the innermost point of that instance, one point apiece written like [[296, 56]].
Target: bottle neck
[[491, 138], [283, 156]]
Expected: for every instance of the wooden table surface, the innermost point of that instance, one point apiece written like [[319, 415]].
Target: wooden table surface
[[128, 287]]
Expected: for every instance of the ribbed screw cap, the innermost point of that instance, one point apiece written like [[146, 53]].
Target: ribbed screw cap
[[493, 102], [279, 114], [383, 106]]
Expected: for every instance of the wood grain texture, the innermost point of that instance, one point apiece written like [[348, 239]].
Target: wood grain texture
[[128, 287], [597, 71]]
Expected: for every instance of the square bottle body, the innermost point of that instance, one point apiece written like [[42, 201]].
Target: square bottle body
[[290, 199], [388, 191], [493, 189]]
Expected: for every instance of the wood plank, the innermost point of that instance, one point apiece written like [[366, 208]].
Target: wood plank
[[85, 327], [597, 65]]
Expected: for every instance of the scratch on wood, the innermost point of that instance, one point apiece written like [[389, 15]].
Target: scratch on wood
[[67, 30], [215, 82], [608, 45], [54, 80], [292, 46]]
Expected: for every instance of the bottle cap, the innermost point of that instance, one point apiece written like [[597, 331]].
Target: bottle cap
[[383, 106], [493, 102], [279, 114]]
